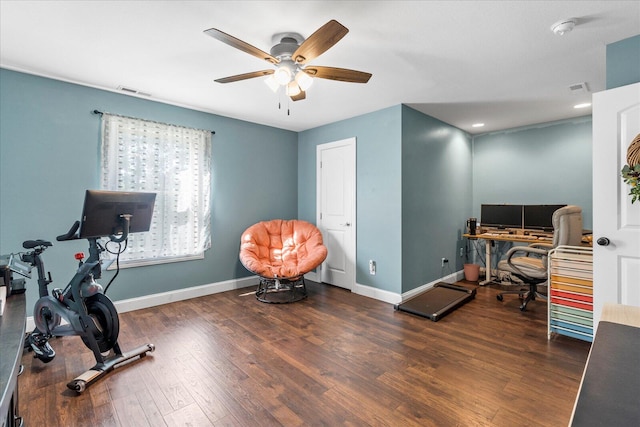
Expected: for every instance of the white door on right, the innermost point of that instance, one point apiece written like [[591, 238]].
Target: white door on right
[[616, 221]]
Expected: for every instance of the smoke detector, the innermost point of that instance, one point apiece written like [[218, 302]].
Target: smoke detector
[[563, 26]]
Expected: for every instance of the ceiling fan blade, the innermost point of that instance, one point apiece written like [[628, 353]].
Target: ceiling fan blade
[[239, 44], [244, 76], [299, 96], [320, 41], [340, 74]]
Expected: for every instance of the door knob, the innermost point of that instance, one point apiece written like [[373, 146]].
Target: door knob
[[603, 241], [347, 224]]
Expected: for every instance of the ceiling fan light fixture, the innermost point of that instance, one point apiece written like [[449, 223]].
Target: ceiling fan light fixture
[[272, 83], [282, 75], [293, 89], [303, 80]]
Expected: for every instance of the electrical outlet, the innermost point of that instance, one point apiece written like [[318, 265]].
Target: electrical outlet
[[444, 261], [372, 267], [461, 252]]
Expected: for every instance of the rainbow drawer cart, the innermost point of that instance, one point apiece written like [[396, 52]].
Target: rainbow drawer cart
[[570, 299]]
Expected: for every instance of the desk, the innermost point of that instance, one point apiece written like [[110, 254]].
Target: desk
[[608, 393], [489, 238]]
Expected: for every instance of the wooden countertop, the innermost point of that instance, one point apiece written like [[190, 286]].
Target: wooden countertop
[[504, 237], [622, 314]]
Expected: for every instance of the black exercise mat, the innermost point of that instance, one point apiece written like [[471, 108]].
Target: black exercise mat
[[438, 301]]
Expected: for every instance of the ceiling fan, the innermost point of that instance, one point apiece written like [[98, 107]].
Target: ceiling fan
[[291, 55]]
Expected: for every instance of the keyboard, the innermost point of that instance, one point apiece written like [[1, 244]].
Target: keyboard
[[518, 236]]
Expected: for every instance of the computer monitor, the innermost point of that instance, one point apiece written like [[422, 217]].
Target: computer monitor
[[102, 214], [539, 217], [501, 216]]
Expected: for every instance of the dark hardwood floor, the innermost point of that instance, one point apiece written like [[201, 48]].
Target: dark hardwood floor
[[335, 358]]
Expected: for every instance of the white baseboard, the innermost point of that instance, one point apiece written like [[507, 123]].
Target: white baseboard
[[375, 293], [313, 276], [394, 298], [182, 294], [153, 300], [453, 277]]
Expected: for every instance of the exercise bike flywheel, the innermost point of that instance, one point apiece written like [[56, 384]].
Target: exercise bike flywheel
[[105, 317], [45, 314]]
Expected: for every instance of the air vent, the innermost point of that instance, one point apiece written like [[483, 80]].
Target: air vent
[[133, 91], [579, 88]]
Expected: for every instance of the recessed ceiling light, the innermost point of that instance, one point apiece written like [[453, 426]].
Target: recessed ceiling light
[[477, 125], [583, 105]]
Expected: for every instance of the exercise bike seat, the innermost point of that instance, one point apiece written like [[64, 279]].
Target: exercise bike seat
[[30, 244]]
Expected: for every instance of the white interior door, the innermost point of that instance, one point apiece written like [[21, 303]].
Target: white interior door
[[336, 184], [616, 222]]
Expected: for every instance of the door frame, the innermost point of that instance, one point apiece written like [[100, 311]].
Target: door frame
[[351, 143]]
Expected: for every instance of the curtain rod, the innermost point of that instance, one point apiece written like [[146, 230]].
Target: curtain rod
[[99, 113]]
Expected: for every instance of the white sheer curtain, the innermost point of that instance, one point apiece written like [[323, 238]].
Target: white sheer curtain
[[175, 163]]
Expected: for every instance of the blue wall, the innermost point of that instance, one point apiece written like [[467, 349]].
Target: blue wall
[[436, 197], [544, 164], [49, 143], [623, 62], [378, 194], [413, 178]]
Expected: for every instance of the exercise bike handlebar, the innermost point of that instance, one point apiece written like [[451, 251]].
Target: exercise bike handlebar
[[71, 234]]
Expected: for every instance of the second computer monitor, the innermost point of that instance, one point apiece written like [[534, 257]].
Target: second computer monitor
[[539, 217]]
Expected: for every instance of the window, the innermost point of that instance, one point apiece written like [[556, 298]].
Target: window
[[175, 163]]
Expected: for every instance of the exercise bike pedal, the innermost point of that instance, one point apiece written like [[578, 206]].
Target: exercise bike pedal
[[40, 347], [80, 383]]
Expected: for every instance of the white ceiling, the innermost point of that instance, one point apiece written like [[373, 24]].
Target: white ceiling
[[462, 62]]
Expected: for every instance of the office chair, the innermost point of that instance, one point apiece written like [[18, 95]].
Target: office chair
[[532, 267]]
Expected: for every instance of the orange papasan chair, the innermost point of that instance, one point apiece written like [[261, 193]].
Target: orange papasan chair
[[281, 252]]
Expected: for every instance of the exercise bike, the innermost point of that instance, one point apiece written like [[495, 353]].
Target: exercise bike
[[83, 305]]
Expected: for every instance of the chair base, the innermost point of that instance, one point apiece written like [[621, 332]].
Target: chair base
[[526, 295], [281, 291]]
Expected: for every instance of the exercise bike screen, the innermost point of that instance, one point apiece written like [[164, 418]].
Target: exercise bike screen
[[103, 210]]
